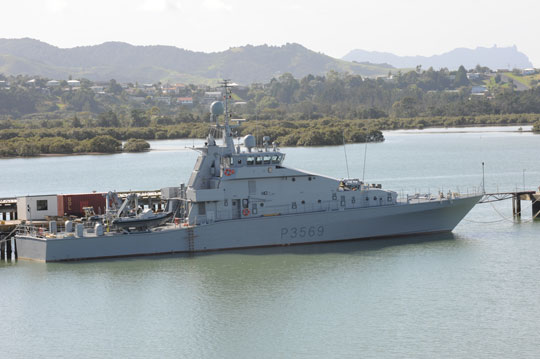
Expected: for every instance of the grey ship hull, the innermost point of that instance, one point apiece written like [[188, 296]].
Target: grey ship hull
[[325, 226]]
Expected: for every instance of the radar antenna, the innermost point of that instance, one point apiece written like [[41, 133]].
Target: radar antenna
[[227, 85]]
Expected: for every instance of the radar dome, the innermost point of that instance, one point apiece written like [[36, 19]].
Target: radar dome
[[249, 142], [217, 108]]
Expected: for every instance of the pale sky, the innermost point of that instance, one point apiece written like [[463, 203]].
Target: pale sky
[[403, 27]]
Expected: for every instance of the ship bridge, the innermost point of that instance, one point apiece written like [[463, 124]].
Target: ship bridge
[[246, 159]]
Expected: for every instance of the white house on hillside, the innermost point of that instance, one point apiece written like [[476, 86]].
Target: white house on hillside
[[74, 83], [479, 90]]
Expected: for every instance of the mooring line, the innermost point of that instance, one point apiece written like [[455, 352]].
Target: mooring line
[[521, 210]]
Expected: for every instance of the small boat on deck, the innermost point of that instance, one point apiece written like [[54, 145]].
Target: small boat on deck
[[146, 219]]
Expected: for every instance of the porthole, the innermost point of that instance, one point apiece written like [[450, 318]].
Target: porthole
[[303, 202], [293, 179]]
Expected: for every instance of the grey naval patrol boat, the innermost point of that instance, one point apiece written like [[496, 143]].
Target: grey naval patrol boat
[[243, 196]]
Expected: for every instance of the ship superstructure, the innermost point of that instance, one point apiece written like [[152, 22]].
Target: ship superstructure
[[232, 182]]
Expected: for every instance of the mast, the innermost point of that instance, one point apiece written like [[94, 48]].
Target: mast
[[227, 138]]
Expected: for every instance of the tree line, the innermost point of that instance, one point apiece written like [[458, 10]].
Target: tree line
[[311, 111]]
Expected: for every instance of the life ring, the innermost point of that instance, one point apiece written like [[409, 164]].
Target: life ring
[[228, 172], [245, 212]]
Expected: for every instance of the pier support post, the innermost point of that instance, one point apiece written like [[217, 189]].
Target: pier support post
[[4, 216], [513, 206], [15, 249], [518, 206], [535, 206], [8, 249], [2, 250]]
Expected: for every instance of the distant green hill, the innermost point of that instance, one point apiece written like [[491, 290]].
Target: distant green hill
[[125, 62]]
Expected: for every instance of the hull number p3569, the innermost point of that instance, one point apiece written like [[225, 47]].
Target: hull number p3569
[[301, 232]]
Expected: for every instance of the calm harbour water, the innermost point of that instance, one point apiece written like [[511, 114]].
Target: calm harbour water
[[470, 294]]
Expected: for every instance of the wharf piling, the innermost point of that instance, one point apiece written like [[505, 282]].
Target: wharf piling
[[7, 251], [536, 205], [516, 197]]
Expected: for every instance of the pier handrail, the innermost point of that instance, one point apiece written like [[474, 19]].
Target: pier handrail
[[25, 229], [8, 237]]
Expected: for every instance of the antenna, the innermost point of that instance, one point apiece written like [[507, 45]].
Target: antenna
[[483, 180], [345, 150], [227, 85], [365, 155]]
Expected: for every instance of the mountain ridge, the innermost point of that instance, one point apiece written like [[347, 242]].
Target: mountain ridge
[[152, 63], [492, 57]]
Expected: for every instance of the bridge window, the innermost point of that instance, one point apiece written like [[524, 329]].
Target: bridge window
[[250, 161], [266, 160], [275, 159], [258, 160]]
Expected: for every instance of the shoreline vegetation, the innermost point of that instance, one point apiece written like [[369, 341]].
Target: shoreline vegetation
[[146, 146], [30, 142]]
